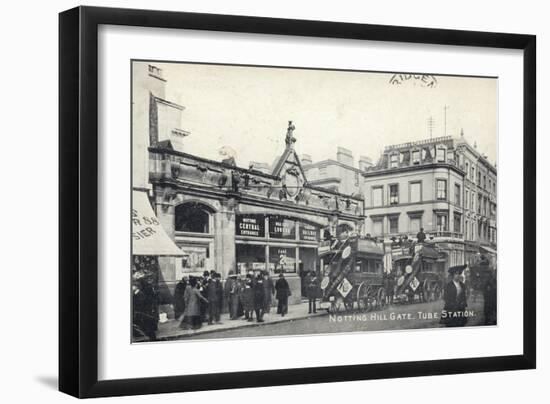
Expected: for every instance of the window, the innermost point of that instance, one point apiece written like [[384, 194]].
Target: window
[[415, 223], [394, 224], [473, 201], [478, 178], [416, 157], [394, 194], [473, 174], [441, 189], [192, 217], [457, 194], [377, 199], [415, 192], [377, 227], [467, 168], [466, 198], [441, 222], [457, 222], [394, 160], [484, 182], [466, 230], [440, 154]]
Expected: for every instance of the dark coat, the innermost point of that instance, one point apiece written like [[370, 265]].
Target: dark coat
[[313, 288], [214, 292], [179, 302], [247, 296], [455, 304], [193, 298], [146, 313], [259, 294], [269, 289], [282, 290]]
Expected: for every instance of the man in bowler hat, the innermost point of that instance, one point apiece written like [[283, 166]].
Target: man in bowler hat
[[455, 299]]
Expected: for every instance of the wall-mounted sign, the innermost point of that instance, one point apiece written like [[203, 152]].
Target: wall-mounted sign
[[309, 232], [250, 225], [280, 227]]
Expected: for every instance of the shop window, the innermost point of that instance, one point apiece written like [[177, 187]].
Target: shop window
[[282, 259], [192, 218], [250, 258]]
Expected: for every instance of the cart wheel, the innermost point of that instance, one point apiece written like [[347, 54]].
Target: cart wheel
[[381, 299], [363, 297]]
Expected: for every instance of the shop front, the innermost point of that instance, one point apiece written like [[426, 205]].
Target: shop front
[[278, 244]]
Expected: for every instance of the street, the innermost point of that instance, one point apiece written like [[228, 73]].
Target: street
[[396, 317]]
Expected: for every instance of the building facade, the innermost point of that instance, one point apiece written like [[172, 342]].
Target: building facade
[[341, 175], [429, 184], [233, 219]]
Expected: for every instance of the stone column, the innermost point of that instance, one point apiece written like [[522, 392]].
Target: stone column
[[226, 234]]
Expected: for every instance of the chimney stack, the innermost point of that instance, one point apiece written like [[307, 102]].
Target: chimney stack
[[365, 163], [344, 156]]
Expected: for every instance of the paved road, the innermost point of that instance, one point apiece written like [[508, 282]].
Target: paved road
[[419, 315]]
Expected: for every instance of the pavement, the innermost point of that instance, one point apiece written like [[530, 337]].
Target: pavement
[[170, 330]]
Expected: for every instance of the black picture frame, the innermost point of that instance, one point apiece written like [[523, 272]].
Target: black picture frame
[[78, 196]]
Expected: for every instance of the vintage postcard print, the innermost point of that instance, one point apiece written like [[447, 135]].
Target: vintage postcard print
[[271, 201]]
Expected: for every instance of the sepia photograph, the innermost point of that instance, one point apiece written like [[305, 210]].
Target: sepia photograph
[[272, 201]]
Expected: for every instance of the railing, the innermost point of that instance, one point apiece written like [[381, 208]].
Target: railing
[[419, 142]]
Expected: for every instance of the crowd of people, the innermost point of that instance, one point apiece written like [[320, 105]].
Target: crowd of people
[[199, 300]]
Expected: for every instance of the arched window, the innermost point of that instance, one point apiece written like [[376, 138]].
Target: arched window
[[193, 217]]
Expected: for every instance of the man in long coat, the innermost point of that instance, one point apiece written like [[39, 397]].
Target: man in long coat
[[179, 302], [214, 293], [312, 292], [145, 306], [247, 298], [193, 299], [269, 290], [455, 299], [259, 297], [282, 292]]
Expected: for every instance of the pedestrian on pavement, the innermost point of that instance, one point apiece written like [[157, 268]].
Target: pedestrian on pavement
[[247, 298], [186, 321], [282, 292], [269, 291], [455, 299], [214, 294], [193, 305], [233, 291], [259, 299], [145, 305], [202, 285], [490, 299], [312, 292], [179, 302]]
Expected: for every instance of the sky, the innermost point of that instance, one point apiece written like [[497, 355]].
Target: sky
[[248, 109]]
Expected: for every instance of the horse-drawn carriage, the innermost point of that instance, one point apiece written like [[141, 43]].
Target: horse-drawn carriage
[[353, 275], [418, 273]]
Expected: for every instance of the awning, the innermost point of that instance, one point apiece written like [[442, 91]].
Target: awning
[[487, 250], [148, 235]]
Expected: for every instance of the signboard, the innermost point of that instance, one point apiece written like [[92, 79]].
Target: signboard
[[195, 259], [282, 228], [282, 259], [250, 225], [309, 232], [414, 284], [344, 288]]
